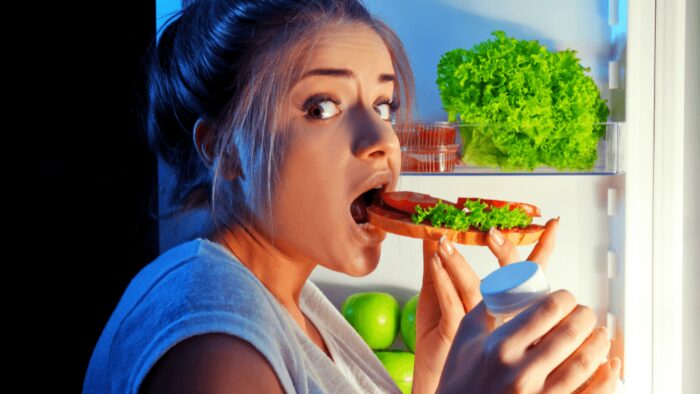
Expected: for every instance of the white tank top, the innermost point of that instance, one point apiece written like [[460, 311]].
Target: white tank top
[[200, 287]]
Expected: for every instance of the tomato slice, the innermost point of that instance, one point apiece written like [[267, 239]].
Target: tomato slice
[[528, 208], [407, 201]]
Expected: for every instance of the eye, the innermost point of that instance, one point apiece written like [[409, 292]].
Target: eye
[[321, 107], [386, 109]]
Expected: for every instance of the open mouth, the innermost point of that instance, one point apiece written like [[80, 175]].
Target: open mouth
[[358, 208]]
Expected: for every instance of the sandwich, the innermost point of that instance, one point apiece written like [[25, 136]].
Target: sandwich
[[466, 221]]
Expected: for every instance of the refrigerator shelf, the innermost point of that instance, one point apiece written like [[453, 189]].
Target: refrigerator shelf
[[608, 162]]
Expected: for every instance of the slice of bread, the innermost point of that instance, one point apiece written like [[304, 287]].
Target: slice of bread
[[400, 223]]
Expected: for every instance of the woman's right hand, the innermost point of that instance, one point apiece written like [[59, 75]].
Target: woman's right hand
[[551, 347]]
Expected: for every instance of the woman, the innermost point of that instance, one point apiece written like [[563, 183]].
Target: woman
[[276, 116]]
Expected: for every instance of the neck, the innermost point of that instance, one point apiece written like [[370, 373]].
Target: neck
[[282, 275]]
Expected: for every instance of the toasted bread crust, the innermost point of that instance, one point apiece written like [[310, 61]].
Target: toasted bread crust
[[401, 224]]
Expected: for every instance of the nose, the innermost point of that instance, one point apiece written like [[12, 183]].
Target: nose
[[374, 138]]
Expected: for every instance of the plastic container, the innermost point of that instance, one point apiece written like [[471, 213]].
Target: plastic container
[[429, 159], [428, 146], [609, 153], [511, 289], [426, 134]]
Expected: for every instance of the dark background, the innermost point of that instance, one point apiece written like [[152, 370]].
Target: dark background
[[93, 177]]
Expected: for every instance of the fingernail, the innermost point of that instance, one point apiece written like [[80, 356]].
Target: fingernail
[[558, 217], [615, 365], [446, 246], [496, 236], [436, 261], [604, 330]]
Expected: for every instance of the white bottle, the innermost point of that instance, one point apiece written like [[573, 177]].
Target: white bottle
[[510, 289]]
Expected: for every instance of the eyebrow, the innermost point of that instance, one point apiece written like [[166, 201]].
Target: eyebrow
[[344, 73]]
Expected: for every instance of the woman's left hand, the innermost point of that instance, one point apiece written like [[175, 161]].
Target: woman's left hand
[[450, 290]]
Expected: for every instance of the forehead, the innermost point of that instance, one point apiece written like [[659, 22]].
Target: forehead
[[351, 46]]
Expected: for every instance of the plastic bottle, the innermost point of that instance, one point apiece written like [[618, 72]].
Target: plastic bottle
[[511, 289]]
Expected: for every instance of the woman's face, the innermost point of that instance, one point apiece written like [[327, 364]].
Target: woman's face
[[340, 144]]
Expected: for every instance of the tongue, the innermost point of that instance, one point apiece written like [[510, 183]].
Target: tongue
[[358, 210]]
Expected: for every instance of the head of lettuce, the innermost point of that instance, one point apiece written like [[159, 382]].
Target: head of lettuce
[[523, 106]]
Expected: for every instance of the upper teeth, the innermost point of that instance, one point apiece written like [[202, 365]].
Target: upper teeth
[[378, 187]]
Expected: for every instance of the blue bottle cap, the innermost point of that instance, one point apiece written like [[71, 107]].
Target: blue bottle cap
[[513, 287]]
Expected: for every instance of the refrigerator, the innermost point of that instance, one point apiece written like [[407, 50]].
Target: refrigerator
[[626, 244]]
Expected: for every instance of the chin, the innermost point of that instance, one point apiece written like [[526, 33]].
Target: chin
[[365, 263]]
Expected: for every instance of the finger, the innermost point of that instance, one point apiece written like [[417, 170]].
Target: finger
[[581, 365], [450, 304], [563, 339], [476, 322], [465, 280], [544, 247], [428, 305], [429, 250], [501, 247], [536, 321], [605, 379]]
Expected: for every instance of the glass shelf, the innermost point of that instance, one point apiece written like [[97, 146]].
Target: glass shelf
[[608, 161]]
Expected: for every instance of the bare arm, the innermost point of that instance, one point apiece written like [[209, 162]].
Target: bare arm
[[212, 363]]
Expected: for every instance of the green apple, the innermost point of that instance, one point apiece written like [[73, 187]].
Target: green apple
[[408, 323], [399, 364], [375, 316]]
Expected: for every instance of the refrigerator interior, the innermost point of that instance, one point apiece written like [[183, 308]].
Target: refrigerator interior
[[589, 256], [586, 260], [606, 239]]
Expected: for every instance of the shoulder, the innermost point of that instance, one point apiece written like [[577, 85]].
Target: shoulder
[[194, 277], [187, 299], [212, 363], [200, 291]]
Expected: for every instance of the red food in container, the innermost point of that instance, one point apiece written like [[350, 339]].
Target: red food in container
[[426, 134], [428, 147]]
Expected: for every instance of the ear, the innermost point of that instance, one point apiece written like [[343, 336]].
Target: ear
[[203, 139]]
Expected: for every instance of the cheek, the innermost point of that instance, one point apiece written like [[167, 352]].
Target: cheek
[[312, 213], [308, 208], [395, 162]]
